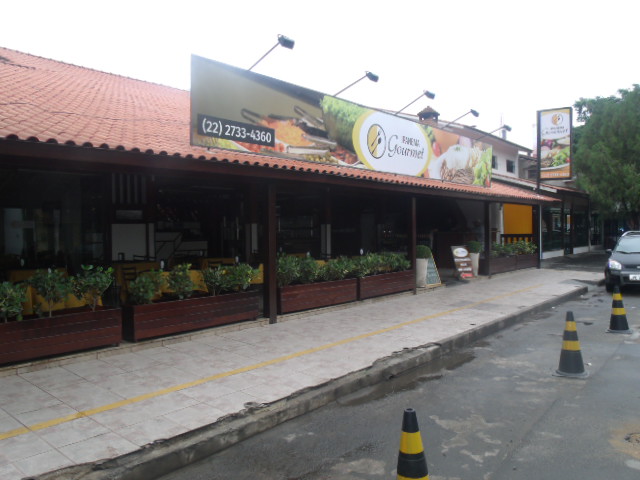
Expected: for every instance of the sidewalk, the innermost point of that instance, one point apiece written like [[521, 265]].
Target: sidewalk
[[139, 410]]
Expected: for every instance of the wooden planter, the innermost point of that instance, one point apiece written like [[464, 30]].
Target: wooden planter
[[294, 298], [63, 333], [386, 284], [176, 316], [513, 262]]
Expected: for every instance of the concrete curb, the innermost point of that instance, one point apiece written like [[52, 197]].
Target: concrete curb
[[162, 457]]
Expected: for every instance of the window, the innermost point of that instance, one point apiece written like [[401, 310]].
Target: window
[[494, 162], [511, 166]]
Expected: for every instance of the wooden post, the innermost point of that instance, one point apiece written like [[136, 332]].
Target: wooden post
[[270, 283]]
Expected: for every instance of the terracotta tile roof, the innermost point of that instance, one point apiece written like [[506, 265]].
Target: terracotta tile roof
[[49, 101]]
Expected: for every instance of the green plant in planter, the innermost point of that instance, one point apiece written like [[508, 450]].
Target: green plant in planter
[[287, 270], [365, 265], [394, 262], [338, 269], [423, 251], [12, 296], [52, 285], [309, 270], [474, 246], [146, 287], [91, 283], [180, 281], [229, 278]]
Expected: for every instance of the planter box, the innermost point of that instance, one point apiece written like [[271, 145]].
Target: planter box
[[177, 316], [386, 284], [513, 262], [526, 261], [294, 298], [61, 334]]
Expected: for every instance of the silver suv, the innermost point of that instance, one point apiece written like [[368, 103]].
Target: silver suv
[[623, 266]]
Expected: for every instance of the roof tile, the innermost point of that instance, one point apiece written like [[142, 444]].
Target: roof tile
[[47, 101]]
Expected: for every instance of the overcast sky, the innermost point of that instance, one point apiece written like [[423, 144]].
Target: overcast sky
[[505, 59]]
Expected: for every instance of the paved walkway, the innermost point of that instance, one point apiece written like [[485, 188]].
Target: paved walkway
[[203, 391]]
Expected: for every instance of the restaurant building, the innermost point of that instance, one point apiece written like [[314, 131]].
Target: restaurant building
[[99, 169]]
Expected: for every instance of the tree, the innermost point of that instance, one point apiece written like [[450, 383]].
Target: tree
[[607, 153]]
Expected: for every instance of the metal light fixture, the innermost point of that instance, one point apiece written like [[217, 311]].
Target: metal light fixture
[[286, 42], [426, 93], [472, 111], [371, 76], [503, 127]]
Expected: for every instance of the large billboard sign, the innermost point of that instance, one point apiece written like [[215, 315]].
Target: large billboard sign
[[554, 143], [232, 108]]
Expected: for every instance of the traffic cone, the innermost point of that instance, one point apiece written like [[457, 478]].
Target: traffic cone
[[618, 322], [412, 463], [570, 357]]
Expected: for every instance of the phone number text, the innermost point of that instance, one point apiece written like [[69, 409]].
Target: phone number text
[[232, 130]]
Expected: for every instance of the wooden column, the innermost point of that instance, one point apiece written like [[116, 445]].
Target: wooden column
[[270, 252], [413, 238]]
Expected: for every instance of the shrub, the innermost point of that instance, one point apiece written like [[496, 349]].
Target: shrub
[[52, 285], [146, 287], [309, 270], [228, 278], [474, 246], [423, 251], [338, 269], [91, 283], [287, 270], [180, 282], [395, 262], [12, 296]]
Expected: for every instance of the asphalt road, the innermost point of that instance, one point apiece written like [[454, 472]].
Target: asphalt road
[[492, 411]]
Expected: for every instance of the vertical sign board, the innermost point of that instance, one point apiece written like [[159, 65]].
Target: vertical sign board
[[235, 109], [554, 143], [462, 261]]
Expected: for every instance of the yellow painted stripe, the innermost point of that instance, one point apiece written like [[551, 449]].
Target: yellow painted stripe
[[572, 345], [400, 477], [617, 296], [411, 443], [570, 327], [129, 401], [618, 311]]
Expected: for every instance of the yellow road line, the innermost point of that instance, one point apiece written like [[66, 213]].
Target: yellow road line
[[128, 401]]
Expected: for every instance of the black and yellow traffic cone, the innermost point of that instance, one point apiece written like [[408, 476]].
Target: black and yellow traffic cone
[[570, 357], [618, 322], [412, 464]]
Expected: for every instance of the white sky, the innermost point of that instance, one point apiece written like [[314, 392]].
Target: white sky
[[505, 59]]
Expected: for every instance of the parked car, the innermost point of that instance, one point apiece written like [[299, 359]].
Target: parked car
[[623, 266]]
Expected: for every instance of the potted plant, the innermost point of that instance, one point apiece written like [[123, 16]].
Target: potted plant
[[91, 284], [423, 254], [66, 330], [228, 301], [474, 247], [12, 296], [52, 286], [303, 284], [387, 273]]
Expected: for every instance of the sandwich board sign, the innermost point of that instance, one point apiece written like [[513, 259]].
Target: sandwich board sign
[[462, 261]]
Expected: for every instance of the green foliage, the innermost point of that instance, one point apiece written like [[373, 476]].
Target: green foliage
[[607, 153], [12, 296], [91, 283], [309, 270], [228, 278], [520, 247], [180, 282], [338, 269], [287, 270], [52, 285], [423, 251], [145, 287], [393, 262], [474, 246]]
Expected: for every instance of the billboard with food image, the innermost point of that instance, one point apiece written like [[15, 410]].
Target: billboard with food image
[[232, 108], [554, 142]]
